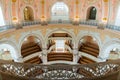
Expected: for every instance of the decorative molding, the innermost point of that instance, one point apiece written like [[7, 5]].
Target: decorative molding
[[95, 35], [108, 45]]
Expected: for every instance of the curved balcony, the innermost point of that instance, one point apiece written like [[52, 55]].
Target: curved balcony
[[81, 22], [98, 71]]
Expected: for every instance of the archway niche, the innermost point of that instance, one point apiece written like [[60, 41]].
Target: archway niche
[[60, 45], [28, 14], [89, 48], [31, 49], [59, 12], [114, 54], [91, 13], [8, 52]]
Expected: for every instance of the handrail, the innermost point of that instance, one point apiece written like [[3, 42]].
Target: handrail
[[97, 71]]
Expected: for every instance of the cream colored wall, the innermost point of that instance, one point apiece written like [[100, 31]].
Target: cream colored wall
[[104, 38]]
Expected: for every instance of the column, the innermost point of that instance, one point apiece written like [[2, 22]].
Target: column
[[75, 55], [44, 55]]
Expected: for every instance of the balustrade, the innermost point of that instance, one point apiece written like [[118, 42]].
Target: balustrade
[[97, 71]]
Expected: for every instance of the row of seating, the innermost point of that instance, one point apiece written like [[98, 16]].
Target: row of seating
[[85, 60], [29, 49], [60, 56], [35, 60], [90, 48]]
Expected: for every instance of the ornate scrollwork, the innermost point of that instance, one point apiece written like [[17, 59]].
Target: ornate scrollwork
[[59, 72]]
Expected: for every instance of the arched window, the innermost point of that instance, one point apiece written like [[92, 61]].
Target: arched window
[[91, 13], [59, 11], [1, 18], [28, 14]]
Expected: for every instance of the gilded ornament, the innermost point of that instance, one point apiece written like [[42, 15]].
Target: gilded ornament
[[105, 0], [13, 0]]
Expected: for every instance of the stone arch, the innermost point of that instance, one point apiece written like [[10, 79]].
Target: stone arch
[[12, 48], [25, 35], [70, 32], [107, 47], [92, 34]]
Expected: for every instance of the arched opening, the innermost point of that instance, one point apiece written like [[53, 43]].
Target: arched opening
[[31, 49], [5, 54], [88, 45], [59, 11], [109, 48], [91, 13], [8, 52], [61, 43], [114, 54], [28, 14]]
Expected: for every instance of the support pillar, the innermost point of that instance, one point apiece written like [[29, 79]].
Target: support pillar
[[44, 55], [75, 55]]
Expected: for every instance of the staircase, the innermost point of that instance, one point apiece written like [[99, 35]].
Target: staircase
[[60, 56], [30, 48]]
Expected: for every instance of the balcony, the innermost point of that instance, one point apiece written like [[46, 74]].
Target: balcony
[[23, 71], [58, 22]]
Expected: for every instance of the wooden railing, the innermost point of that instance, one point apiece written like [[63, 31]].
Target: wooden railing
[[97, 71]]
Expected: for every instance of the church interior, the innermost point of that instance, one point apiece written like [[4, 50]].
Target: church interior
[[59, 39]]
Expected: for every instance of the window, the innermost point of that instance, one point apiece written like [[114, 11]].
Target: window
[[92, 13], [60, 11], [60, 45], [1, 18]]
